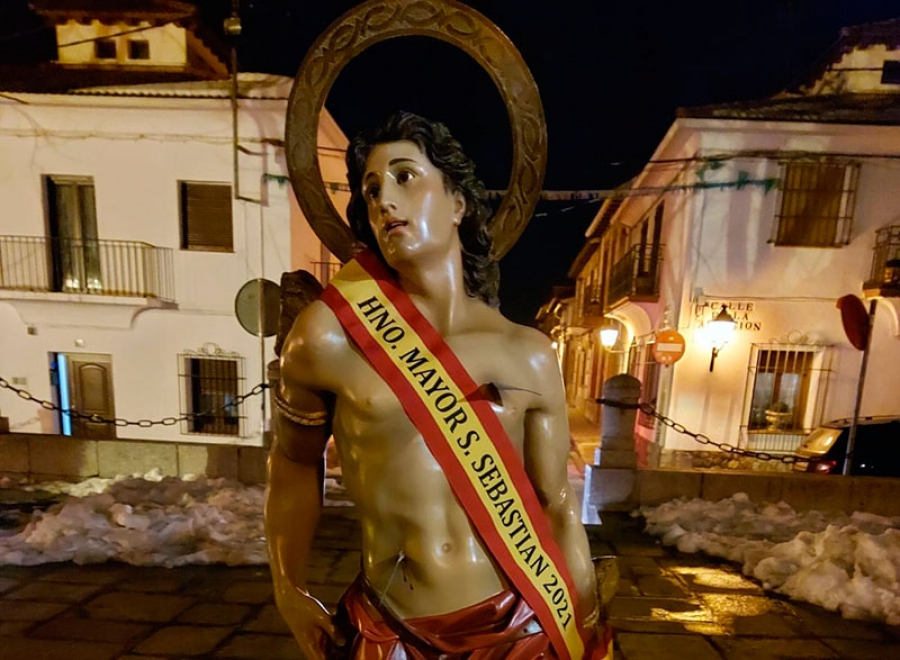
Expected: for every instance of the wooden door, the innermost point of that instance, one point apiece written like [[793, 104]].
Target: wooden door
[[91, 392]]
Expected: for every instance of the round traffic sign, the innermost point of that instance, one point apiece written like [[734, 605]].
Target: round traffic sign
[[855, 319], [669, 347]]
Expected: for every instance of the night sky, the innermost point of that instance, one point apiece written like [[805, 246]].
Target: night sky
[[611, 77]]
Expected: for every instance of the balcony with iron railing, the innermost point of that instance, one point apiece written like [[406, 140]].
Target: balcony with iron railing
[[94, 267], [884, 277], [635, 276]]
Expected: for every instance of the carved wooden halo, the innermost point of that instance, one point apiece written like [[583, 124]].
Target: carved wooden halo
[[447, 20]]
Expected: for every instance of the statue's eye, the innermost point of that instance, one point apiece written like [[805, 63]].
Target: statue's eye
[[403, 176], [371, 192]]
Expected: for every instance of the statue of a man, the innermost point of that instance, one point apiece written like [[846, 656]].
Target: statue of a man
[[432, 585]]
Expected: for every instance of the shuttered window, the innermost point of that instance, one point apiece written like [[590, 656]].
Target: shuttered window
[[206, 222]]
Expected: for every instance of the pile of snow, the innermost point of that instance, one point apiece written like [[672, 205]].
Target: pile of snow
[[846, 563], [146, 521]]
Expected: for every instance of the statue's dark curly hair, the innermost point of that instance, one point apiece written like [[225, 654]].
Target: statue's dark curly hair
[[481, 273]]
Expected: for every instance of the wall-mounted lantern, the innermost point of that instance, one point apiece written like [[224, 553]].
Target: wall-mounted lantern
[[609, 335], [720, 331]]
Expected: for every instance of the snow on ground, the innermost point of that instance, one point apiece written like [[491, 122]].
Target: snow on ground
[[148, 520], [846, 563], [151, 521]]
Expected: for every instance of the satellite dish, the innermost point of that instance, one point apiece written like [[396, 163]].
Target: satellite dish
[[257, 307]]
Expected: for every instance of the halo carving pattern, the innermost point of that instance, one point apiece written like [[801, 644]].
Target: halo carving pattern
[[451, 22]]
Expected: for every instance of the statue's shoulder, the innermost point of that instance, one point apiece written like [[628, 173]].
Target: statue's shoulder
[[314, 324], [532, 345], [526, 336], [315, 344], [523, 339]]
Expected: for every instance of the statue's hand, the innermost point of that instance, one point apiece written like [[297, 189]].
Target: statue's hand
[[309, 621]]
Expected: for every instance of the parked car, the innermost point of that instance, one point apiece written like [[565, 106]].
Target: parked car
[[876, 451]]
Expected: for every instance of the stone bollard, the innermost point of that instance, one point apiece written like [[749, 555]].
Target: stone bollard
[[616, 448], [609, 484]]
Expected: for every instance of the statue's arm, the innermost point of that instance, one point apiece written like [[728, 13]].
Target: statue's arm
[[546, 451], [296, 471]]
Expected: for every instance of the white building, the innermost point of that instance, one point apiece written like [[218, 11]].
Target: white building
[[128, 227], [772, 210]]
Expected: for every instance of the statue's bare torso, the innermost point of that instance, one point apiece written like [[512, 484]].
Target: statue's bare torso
[[419, 549]]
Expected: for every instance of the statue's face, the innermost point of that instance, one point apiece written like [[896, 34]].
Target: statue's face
[[412, 214]]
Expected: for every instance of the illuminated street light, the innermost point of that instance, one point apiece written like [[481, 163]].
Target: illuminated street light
[[609, 335], [719, 331]]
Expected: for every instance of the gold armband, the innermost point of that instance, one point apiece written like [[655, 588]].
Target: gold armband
[[318, 418], [590, 621]]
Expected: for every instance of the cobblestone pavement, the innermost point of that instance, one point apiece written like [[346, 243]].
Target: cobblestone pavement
[[669, 605]]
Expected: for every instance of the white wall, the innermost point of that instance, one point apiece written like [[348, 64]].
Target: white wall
[[792, 291], [168, 43], [137, 150]]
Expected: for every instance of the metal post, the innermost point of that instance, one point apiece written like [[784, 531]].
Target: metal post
[[848, 460], [232, 27], [262, 321]]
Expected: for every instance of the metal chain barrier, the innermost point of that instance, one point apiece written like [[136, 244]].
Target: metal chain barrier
[[647, 409], [118, 421]]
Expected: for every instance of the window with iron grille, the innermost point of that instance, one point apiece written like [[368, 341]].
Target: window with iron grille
[[786, 389], [210, 386], [817, 202], [206, 222]]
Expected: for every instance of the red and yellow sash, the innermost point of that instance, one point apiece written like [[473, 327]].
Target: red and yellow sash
[[466, 438]]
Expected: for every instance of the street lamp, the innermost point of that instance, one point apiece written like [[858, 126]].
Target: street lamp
[[719, 331], [609, 335]]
